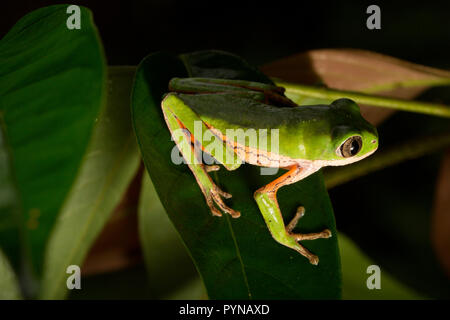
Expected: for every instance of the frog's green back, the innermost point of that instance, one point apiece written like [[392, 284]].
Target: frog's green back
[[304, 132]]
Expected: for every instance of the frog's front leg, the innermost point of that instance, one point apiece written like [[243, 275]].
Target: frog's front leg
[[179, 117], [268, 205]]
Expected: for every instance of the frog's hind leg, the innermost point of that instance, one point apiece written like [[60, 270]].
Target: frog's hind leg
[[179, 119], [268, 205]]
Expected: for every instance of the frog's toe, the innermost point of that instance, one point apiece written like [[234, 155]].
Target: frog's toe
[[313, 259], [300, 213], [311, 236], [327, 233], [212, 207], [216, 195], [212, 168], [224, 194]]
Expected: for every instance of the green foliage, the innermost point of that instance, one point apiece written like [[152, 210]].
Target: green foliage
[[108, 166], [51, 88], [72, 154]]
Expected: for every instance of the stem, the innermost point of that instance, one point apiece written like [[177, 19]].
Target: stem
[[398, 104], [408, 150], [410, 84]]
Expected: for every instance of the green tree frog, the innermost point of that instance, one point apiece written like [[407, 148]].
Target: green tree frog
[[308, 138]]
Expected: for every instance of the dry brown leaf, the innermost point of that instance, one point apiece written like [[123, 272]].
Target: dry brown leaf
[[357, 70]]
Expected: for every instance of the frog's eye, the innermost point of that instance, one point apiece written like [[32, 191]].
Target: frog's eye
[[350, 147]]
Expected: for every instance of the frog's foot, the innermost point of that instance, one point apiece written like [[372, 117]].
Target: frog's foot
[[215, 195], [308, 236]]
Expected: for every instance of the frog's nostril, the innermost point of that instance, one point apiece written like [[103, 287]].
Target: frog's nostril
[[374, 141]]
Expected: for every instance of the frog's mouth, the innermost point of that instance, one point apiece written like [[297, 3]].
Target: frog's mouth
[[341, 162]]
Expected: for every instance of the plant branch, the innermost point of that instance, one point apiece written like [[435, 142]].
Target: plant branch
[[371, 100]]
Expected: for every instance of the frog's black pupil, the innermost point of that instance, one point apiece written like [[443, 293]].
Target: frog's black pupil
[[355, 147]]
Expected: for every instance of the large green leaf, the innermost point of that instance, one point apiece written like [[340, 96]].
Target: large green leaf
[[236, 258], [108, 167], [52, 86]]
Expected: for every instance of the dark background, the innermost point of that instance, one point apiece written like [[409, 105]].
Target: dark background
[[260, 31]]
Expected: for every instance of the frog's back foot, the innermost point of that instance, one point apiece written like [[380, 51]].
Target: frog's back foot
[[313, 259], [214, 197]]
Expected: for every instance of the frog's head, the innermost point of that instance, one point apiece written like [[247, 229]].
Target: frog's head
[[352, 137]]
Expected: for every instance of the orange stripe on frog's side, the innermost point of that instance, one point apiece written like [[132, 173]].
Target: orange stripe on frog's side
[[193, 140]]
